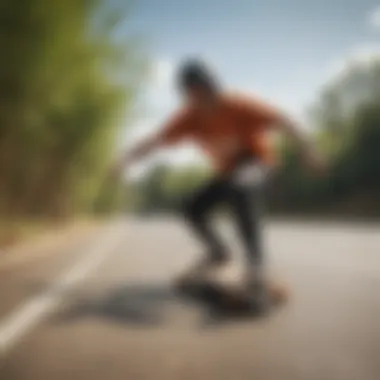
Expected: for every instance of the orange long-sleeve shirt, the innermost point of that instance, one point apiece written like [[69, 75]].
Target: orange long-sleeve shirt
[[236, 124]]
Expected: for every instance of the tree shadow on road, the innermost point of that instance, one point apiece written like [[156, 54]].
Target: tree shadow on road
[[136, 304]]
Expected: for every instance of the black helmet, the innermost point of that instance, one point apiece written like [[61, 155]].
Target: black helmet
[[195, 72]]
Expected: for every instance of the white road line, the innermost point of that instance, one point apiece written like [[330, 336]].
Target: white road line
[[29, 314]]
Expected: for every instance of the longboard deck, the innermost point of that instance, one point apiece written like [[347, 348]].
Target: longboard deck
[[229, 297]]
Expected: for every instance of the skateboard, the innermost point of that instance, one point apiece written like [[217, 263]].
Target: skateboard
[[232, 298]]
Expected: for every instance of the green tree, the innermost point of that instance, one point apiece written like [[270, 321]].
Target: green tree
[[66, 83], [347, 115]]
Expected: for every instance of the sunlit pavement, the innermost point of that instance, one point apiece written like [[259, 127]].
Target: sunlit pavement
[[104, 309]]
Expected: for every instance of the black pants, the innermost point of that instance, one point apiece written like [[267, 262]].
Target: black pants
[[242, 201]]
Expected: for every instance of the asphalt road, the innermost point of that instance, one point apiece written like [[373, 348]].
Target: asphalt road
[[104, 309]]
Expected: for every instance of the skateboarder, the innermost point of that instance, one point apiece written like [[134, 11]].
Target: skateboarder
[[233, 131]]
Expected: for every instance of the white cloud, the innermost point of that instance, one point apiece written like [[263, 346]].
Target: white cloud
[[159, 95], [361, 57], [340, 73], [162, 72], [157, 100], [374, 18]]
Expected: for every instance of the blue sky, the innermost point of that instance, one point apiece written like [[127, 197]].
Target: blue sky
[[283, 50]]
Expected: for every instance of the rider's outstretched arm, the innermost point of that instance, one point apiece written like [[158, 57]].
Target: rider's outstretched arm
[[268, 116], [309, 152], [138, 152], [177, 128]]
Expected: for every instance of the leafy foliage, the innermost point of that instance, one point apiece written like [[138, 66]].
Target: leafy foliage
[[66, 81]]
